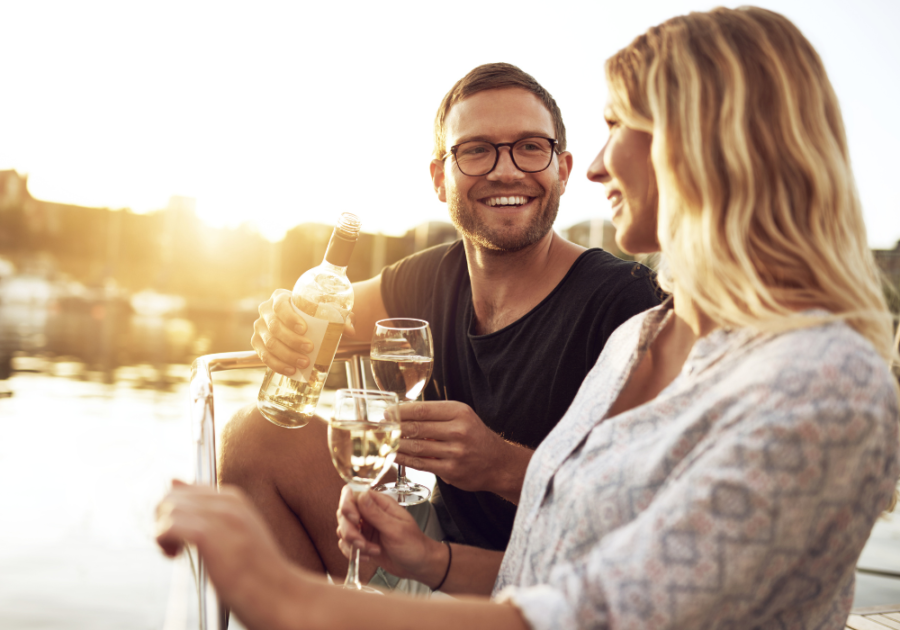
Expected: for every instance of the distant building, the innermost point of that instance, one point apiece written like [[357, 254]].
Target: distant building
[[304, 247], [433, 233], [889, 262], [12, 187], [42, 237], [169, 251]]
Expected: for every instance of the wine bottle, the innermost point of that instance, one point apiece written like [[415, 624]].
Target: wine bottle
[[323, 297]]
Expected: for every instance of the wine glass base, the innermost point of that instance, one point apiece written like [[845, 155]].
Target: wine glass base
[[407, 495], [361, 589]]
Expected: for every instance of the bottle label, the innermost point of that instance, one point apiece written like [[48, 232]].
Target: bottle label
[[315, 332]]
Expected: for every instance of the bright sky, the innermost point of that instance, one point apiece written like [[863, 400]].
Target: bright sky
[[277, 113]]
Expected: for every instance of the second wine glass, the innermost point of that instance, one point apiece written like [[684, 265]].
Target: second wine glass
[[402, 359], [363, 436]]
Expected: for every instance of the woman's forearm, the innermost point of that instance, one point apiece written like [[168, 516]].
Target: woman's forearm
[[472, 571], [456, 569], [319, 605]]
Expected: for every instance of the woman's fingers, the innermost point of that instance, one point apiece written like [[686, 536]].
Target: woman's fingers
[[365, 519], [178, 523], [347, 507], [349, 531], [343, 546], [349, 519], [170, 543], [171, 548], [368, 550], [382, 512]]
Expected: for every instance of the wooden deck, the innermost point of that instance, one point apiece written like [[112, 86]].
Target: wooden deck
[[875, 618]]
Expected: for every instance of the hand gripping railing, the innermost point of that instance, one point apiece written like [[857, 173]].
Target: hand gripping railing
[[213, 615]]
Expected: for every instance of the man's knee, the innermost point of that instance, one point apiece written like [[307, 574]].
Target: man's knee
[[252, 447]]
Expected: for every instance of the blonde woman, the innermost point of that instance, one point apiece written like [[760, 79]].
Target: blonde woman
[[730, 476]]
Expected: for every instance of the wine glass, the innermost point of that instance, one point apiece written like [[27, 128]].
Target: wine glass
[[363, 437], [402, 358]]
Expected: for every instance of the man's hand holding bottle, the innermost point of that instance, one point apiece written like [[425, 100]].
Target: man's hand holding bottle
[[278, 334], [446, 438]]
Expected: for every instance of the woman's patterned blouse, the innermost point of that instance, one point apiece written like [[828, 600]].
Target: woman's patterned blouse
[[740, 497]]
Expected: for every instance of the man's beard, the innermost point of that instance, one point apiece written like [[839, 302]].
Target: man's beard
[[505, 238]]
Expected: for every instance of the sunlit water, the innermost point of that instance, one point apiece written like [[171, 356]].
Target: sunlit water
[[84, 463]]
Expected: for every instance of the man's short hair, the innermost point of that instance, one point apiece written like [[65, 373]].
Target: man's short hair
[[494, 76]]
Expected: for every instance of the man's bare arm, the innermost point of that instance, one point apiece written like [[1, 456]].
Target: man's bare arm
[[368, 308]]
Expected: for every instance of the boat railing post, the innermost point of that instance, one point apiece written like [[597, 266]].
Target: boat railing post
[[212, 614]]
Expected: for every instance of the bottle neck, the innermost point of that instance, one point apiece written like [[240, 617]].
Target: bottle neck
[[335, 269], [340, 246]]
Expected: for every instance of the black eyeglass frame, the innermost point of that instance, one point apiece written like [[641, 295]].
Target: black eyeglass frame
[[553, 149]]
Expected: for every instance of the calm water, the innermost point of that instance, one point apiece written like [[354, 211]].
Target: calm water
[[83, 465]]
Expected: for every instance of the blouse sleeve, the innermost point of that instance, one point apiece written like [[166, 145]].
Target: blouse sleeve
[[770, 513]]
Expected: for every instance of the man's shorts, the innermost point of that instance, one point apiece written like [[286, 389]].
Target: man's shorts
[[426, 519]]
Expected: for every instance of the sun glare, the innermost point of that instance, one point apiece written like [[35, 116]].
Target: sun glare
[[273, 118]]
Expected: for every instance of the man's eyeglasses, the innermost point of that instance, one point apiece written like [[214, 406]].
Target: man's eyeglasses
[[477, 157]]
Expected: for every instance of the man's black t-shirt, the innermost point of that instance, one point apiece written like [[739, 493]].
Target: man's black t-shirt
[[521, 379]]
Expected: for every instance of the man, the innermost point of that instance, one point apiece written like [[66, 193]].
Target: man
[[519, 316]]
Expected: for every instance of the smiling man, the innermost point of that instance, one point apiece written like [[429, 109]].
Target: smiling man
[[522, 190], [519, 316]]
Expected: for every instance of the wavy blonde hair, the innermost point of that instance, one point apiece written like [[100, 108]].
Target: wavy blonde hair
[[759, 215]]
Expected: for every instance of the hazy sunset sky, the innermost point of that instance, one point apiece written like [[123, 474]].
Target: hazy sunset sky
[[277, 113]]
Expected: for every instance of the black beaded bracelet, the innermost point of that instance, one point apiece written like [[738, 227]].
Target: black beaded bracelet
[[449, 561]]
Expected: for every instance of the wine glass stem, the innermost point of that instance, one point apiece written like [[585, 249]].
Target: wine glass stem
[[402, 481], [352, 580]]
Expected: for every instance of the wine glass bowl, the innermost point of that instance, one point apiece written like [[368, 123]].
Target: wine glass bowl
[[402, 358], [363, 437], [401, 373]]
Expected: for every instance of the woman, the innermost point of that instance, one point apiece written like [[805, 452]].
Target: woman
[[732, 473]]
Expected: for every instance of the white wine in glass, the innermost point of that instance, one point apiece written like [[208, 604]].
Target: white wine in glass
[[362, 451], [405, 375], [363, 437], [402, 357]]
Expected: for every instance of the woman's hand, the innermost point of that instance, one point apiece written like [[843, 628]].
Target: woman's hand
[[390, 537], [241, 555]]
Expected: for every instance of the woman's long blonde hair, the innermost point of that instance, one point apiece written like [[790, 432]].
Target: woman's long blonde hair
[[759, 214]]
